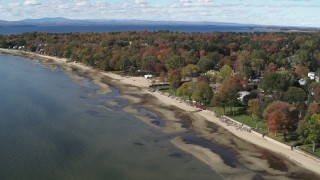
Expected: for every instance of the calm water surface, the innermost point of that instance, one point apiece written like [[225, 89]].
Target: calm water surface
[[7, 30], [51, 128]]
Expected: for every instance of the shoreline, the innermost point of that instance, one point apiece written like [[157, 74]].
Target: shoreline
[[207, 116]]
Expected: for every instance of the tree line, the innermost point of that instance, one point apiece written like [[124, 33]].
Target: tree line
[[268, 65]]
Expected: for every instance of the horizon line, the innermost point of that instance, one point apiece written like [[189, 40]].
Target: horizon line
[[167, 21]]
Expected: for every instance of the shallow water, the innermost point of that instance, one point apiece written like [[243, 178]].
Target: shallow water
[[54, 128]]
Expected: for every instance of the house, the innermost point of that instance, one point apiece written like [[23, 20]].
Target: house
[[302, 82], [311, 75], [148, 76], [242, 94]]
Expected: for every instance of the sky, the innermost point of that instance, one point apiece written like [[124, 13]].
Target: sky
[[265, 12]]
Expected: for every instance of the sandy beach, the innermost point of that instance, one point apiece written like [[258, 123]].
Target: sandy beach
[[271, 159]]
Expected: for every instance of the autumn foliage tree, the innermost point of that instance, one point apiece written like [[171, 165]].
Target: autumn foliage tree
[[313, 108], [227, 93], [316, 94], [281, 119], [271, 67], [278, 121], [174, 78], [301, 71], [173, 55]]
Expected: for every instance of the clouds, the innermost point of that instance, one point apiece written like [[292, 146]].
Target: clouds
[[274, 12], [31, 3], [193, 4]]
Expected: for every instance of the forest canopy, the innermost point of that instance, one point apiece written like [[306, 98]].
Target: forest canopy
[[249, 54]]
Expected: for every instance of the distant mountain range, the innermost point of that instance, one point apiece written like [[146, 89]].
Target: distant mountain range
[[60, 21]]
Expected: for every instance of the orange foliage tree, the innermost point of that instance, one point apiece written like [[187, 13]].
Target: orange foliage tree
[[281, 119], [301, 71], [278, 121]]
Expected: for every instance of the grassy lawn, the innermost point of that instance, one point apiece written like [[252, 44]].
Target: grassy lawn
[[243, 117], [121, 73], [308, 148], [291, 139], [164, 88], [167, 89], [239, 115]]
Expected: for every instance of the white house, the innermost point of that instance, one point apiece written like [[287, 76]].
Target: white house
[[311, 75], [242, 94], [302, 82], [148, 76]]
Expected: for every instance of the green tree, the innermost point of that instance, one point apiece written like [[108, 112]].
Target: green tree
[[244, 57], [225, 73], [123, 62], [174, 62], [257, 65], [189, 70], [313, 108], [220, 100], [214, 57], [206, 64], [313, 128], [295, 95], [275, 84], [186, 89], [187, 56], [259, 54], [202, 93], [253, 109], [302, 57]]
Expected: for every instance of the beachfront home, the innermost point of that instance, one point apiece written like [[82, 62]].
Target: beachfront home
[[242, 94], [148, 76]]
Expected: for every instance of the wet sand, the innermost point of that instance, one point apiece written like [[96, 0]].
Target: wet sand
[[225, 151]]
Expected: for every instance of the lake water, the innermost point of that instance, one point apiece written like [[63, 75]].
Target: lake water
[[51, 128], [7, 30]]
